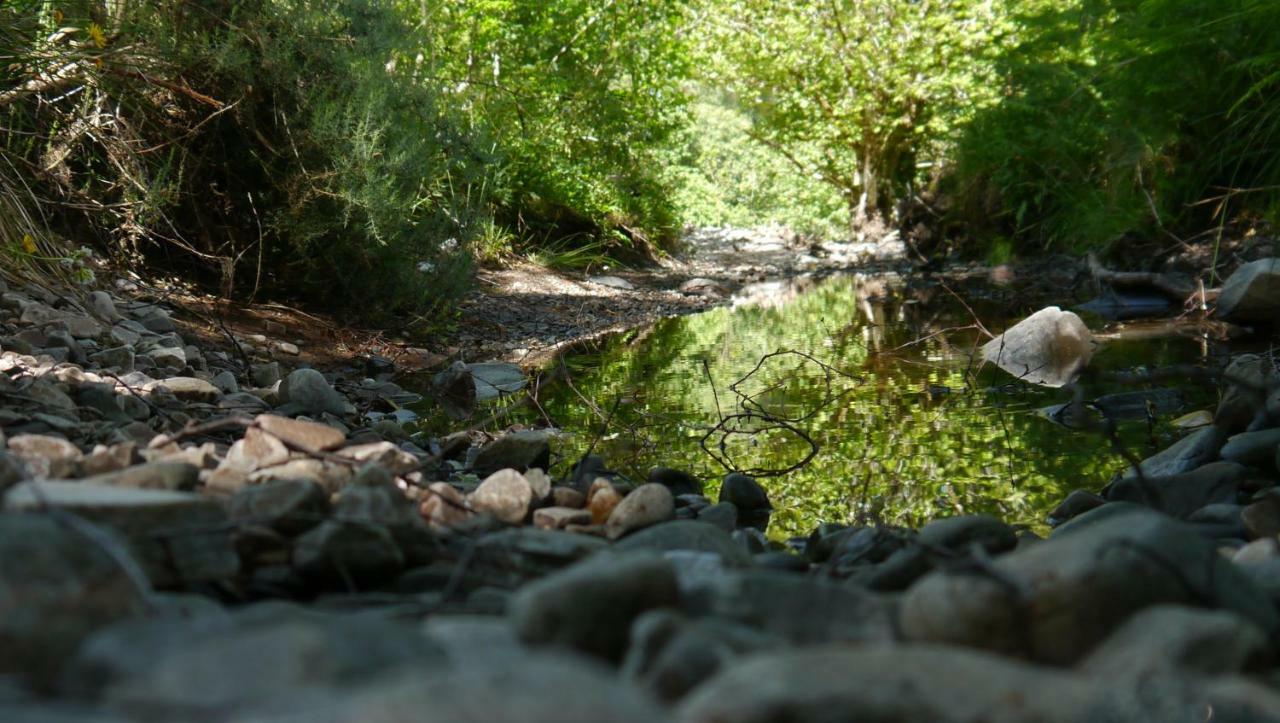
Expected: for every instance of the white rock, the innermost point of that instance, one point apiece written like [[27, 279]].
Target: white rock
[[1049, 348]]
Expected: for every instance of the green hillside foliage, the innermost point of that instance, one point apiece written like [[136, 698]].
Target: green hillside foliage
[[363, 155]]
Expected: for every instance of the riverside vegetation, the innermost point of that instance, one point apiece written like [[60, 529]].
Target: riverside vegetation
[[204, 528]]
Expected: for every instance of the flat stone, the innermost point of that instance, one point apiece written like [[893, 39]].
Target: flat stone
[[256, 450], [176, 476], [46, 457], [647, 505], [189, 389], [120, 358], [330, 475], [613, 282], [505, 494], [1182, 494], [83, 327], [385, 455], [179, 538], [167, 357], [1188, 453], [515, 450], [557, 518]]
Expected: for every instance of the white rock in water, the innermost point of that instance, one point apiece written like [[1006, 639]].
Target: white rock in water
[[1050, 348]]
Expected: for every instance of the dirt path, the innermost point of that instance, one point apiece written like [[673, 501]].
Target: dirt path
[[525, 313]]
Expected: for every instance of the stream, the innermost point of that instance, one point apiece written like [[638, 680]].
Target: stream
[[858, 398]]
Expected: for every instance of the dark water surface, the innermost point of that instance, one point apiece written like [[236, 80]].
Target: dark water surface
[[875, 378]]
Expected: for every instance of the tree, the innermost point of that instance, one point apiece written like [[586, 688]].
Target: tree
[[857, 91]]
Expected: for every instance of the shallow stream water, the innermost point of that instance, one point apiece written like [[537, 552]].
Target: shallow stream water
[[856, 398]]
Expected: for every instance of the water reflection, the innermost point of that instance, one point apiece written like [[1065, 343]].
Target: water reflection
[[906, 427]]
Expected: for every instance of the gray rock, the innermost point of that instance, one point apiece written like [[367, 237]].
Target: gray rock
[[686, 535], [272, 653], [905, 683], [243, 402], [1172, 638], [1182, 494], [493, 379], [179, 538], [130, 648], [1255, 449], [515, 450], [288, 506], [265, 375], [12, 470], [83, 327], [647, 505], [799, 609], [959, 534], [124, 335], [1051, 347], [590, 606], [226, 382], [1243, 388], [1055, 600], [505, 494], [306, 390], [1252, 292], [613, 282], [723, 515], [166, 357], [386, 506], [1076, 503], [535, 552], [670, 655], [343, 554], [104, 307], [1261, 518], [1188, 453], [541, 688], [156, 320], [49, 394], [56, 587]]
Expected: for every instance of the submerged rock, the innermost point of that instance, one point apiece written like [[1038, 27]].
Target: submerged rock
[[1051, 347]]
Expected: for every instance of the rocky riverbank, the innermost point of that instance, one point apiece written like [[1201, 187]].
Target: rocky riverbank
[[188, 535]]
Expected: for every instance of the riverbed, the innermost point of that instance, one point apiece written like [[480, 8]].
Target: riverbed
[[857, 398]]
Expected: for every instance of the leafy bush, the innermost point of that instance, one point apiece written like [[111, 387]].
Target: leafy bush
[[1120, 118], [355, 153]]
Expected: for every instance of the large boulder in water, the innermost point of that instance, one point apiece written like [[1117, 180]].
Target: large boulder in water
[[1252, 293], [1049, 348]]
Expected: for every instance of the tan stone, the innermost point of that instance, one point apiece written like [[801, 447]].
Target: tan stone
[[300, 434]]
